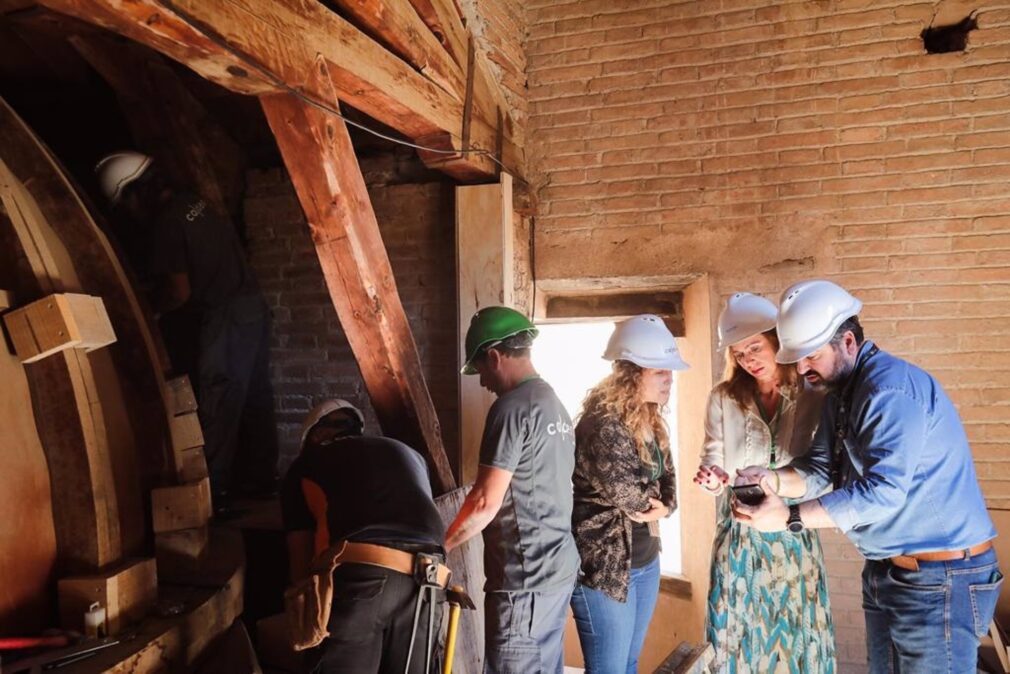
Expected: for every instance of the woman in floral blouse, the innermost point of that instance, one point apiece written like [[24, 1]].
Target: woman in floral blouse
[[624, 483], [768, 601]]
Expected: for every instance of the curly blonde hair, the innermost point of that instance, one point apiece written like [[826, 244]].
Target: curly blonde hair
[[617, 396]]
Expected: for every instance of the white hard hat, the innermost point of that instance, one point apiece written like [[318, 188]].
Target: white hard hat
[[809, 314], [645, 341], [118, 170], [328, 407], [745, 315]]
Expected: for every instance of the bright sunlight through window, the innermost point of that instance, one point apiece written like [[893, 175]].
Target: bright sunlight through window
[[568, 357]]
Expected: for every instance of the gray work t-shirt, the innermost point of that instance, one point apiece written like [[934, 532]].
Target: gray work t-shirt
[[529, 544]]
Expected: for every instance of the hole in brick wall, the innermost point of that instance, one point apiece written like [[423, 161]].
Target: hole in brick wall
[[945, 39]]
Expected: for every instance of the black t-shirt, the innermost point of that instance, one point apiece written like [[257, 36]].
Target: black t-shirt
[[368, 490], [189, 237], [644, 547]]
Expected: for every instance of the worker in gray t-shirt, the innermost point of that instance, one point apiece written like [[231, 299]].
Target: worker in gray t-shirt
[[521, 500]]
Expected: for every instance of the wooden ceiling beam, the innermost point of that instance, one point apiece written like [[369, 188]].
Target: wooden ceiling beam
[[319, 156], [398, 26], [266, 46]]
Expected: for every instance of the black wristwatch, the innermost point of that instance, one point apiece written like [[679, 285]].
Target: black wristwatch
[[794, 523]]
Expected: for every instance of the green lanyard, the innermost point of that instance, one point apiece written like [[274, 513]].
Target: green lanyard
[[657, 469], [773, 426]]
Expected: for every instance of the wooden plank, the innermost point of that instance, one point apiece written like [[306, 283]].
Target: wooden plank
[[180, 553], [444, 20], [85, 506], [320, 158], [184, 506], [485, 270], [59, 322], [180, 398], [192, 464], [242, 43], [687, 659], [617, 306], [148, 22], [186, 432], [127, 592], [398, 26], [467, 564]]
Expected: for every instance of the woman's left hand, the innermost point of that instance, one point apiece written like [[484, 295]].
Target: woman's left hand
[[656, 511]]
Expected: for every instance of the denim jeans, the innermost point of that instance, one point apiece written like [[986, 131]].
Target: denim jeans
[[930, 620], [524, 632], [612, 632]]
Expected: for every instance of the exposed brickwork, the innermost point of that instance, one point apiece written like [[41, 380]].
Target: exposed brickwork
[[311, 358], [499, 28], [766, 142]]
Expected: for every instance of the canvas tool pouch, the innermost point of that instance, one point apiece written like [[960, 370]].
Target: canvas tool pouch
[[307, 602]]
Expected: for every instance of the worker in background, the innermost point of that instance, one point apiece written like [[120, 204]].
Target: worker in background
[[521, 500], [365, 504], [905, 491], [195, 260]]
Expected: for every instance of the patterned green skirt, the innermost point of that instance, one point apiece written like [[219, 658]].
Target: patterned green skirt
[[768, 608]]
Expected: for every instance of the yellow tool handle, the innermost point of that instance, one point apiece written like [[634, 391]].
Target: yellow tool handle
[[450, 638]]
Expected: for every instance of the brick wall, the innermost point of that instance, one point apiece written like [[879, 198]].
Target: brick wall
[[311, 359], [499, 28], [762, 143]]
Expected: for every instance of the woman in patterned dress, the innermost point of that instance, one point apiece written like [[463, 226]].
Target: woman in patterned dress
[[623, 483], [768, 605]]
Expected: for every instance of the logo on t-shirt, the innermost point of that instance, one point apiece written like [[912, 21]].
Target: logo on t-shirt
[[196, 210], [560, 426]]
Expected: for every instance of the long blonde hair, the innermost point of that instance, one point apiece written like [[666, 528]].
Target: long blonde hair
[[618, 396], [739, 385]]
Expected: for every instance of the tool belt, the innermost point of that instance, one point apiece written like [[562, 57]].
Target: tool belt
[[307, 603], [911, 562]]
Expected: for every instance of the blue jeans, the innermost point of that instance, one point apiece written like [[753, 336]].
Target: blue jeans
[[929, 621], [612, 632]]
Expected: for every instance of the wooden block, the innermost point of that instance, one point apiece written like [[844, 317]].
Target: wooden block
[[184, 506], [192, 465], [6, 299], [59, 322], [128, 592], [186, 431], [179, 553], [180, 397]]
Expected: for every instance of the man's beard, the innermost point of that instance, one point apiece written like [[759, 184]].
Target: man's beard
[[838, 377]]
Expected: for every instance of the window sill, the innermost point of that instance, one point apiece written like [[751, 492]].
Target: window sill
[[678, 586]]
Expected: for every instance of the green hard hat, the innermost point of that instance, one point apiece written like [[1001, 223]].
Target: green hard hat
[[490, 326]]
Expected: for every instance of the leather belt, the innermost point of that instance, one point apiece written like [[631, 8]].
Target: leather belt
[[911, 562], [392, 559]]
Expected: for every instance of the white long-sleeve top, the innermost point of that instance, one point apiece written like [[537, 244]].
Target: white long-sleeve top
[[736, 438]]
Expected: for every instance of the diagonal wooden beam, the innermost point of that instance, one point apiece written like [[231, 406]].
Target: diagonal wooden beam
[[397, 25], [269, 46], [320, 158], [443, 19]]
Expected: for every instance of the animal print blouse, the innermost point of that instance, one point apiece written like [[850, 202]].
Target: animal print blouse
[[610, 481]]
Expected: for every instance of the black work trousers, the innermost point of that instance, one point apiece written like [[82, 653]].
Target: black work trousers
[[371, 623], [235, 397]]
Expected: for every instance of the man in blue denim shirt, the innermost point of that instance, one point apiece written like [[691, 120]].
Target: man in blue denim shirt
[[905, 491]]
